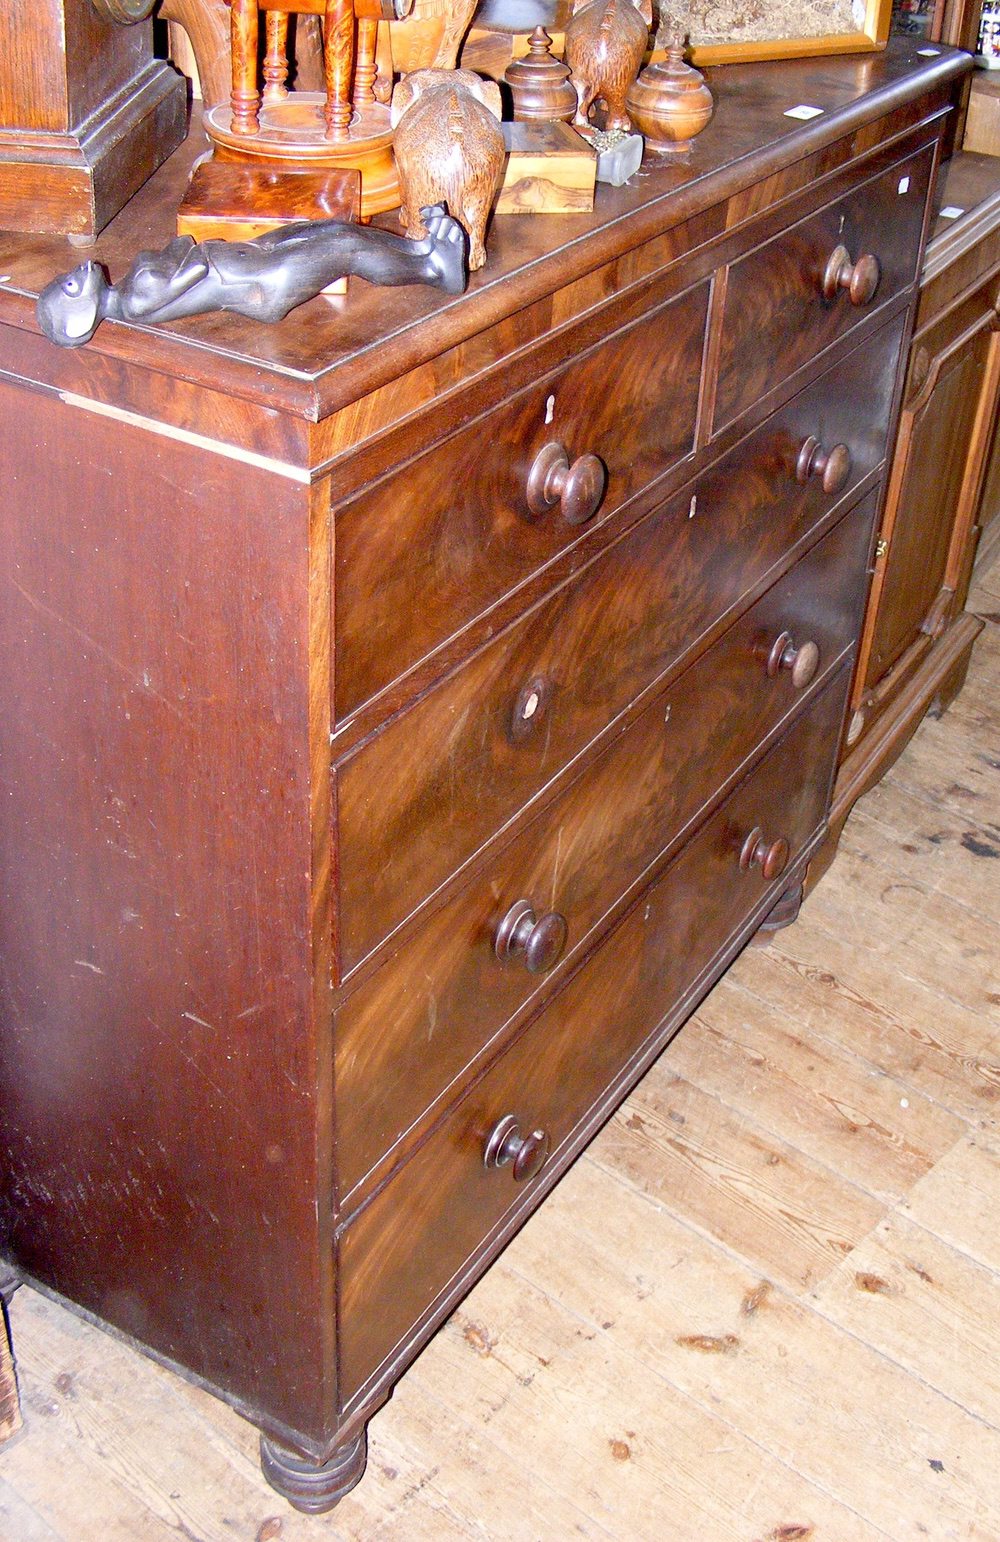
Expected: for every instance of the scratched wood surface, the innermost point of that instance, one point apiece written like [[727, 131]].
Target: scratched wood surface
[[765, 1305]]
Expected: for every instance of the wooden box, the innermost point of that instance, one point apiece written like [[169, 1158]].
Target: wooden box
[[550, 170]]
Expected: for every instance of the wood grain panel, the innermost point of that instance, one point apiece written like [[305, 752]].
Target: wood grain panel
[[405, 1246], [428, 549], [404, 1035], [409, 816], [159, 1138], [775, 311]]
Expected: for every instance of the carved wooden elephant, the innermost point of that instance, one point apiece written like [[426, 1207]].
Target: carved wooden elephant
[[605, 42], [449, 149]]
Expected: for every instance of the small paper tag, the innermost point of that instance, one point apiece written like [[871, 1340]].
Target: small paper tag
[[904, 186], [804, 112], [951, 212]]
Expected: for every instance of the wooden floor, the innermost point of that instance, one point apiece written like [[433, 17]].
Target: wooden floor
[[764, 1306]]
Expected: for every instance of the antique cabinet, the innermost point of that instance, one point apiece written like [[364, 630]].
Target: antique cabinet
[[86, 112], [408, 712], [917, 635]]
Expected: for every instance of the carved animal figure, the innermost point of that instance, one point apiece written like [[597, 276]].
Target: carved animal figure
[[605, 42], [449, 149]]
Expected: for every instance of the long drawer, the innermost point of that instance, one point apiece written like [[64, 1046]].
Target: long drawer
[[787, 301], [407, 1245], [437, 542], [408, 1032], [423, 794]]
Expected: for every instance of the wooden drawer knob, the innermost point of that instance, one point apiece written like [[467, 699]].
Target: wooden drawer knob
[[771, 859], [860, 279], [834, 466], [577, 488], [802, 661], [505, 1144], [539, 940]]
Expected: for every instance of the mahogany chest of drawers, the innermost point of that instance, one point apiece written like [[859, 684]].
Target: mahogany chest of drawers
[[408, 712]]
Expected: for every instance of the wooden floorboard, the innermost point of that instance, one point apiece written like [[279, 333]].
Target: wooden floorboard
[[763, 1307]]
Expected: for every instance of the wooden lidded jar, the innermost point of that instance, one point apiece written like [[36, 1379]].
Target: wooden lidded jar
[[540, 85], [670, 103]]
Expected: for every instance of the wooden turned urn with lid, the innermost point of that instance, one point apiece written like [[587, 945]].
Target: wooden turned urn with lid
[[670, 103]]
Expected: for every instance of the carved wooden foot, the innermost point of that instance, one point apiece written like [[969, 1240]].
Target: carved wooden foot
[[9, 1281], [311, 1486], [10, 1408], [782, 914]]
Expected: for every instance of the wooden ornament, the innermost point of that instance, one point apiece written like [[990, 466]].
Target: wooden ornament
[[670, 102], [345, 124], [540, 84], [550, 170], [237, 202], [605, 42], [449, 149], [233, 202]]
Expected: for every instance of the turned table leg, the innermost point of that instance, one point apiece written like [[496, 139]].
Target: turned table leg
[[314, 1486], [245, 98]]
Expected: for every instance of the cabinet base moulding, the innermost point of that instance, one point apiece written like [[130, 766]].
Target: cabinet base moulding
[[73, 182], [933, 687]]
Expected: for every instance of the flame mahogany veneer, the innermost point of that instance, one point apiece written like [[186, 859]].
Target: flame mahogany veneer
[[408, 712]]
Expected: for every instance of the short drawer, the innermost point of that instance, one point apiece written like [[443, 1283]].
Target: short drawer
[[405, 1035], [433, 545], [424, 793], [405, 1249], [788, 300]]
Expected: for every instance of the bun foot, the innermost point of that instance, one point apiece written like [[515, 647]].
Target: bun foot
[[781, 914], [311, 1486]]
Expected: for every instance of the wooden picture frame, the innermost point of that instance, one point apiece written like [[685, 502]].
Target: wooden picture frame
[[872, 35]]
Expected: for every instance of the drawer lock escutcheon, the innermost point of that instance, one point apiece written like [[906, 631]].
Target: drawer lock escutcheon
[[860, 279], [802, 661], [772, 859], [529, 708], [538, 940], [833, 466], [505, 1145], [577, 488]]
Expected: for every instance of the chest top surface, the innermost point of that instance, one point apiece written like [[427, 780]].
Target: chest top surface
[[332, 352]]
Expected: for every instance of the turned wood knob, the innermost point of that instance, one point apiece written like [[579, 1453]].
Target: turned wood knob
[[833, 466], [505, 1144], [538, 939], [577, 488], [860, 279], [771, 859], [802, 661]]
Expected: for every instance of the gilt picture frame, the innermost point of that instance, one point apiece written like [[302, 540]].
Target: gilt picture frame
[[733, 31]]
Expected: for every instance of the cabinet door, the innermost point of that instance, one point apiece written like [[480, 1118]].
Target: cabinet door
[[923, 557]]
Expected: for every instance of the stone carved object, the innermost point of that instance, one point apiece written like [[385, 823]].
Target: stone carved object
[[670, 102], [449, 148], [605, 42], [262, 279]]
